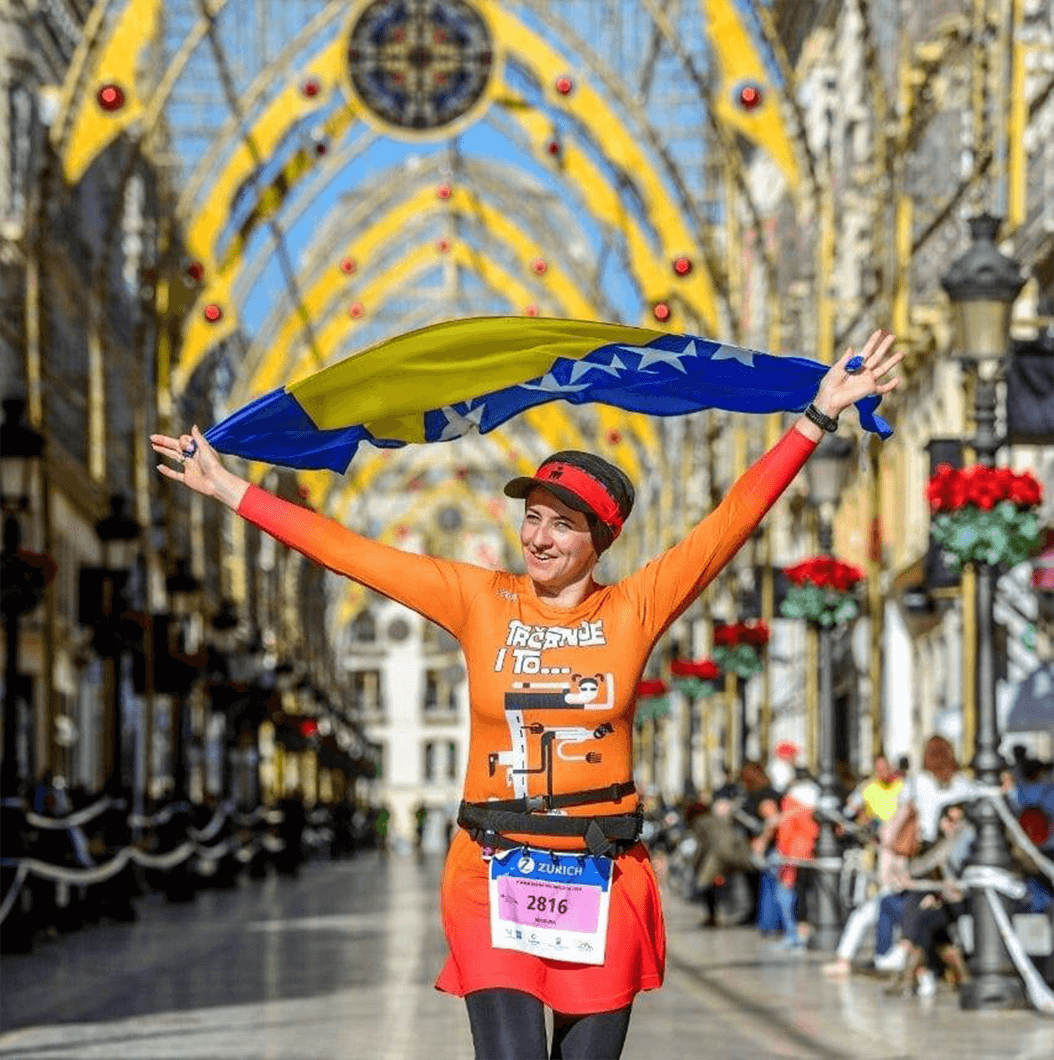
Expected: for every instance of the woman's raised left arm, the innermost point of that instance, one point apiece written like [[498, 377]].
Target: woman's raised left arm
[[666, 585]]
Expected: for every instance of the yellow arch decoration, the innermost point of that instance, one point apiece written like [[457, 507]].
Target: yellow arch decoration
[[586, 105], [395, 223], [90, 128], [740, 62]]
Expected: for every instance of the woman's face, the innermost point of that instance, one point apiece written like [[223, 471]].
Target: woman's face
[[557, 545]]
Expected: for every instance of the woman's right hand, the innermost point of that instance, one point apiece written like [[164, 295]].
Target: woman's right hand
[[199, 467]]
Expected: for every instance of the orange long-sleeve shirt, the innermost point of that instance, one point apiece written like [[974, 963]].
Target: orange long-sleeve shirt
[[551, 690]]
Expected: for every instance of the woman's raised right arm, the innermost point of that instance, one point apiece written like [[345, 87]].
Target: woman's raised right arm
[[437, 589]]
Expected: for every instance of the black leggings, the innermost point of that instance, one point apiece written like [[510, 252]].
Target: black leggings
[[510, 1025]]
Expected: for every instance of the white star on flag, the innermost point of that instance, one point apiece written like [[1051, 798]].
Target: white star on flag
[[653, 355], [734, 353], [579, 368], [457, 425], [550, 384]]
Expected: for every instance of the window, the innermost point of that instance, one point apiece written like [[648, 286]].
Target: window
[[376, 753], [440, 696], [366, 691], [439, 760], [364, 628]]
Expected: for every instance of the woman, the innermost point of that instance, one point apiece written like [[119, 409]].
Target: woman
[[548, 899], [939, 784]]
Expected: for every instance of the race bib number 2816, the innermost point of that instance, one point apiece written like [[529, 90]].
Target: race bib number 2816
[[550, 904]]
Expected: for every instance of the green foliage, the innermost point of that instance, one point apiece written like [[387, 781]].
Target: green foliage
[[651, 707], [1002, 536], [744, 660], [695, 687], [824, 607]]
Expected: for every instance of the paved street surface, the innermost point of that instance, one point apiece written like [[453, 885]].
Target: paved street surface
[[339, 965]]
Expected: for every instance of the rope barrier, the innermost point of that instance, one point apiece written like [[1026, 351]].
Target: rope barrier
[[13, 891], [138, 820], [212, 828], [207, 855], [74, 820], [1039, 993]]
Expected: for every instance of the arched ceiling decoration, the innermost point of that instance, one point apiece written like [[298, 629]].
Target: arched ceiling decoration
[[588, 150]]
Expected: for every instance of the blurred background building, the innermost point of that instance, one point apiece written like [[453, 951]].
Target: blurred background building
[[199, 201]]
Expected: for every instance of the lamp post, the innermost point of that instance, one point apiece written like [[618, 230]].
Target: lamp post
[[826, 472], [982, 285], [119, 534], [184, 593], [21, 452], [225, 625]]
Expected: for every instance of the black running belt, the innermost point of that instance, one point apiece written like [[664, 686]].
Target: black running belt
[[608, 834], [534, 803]]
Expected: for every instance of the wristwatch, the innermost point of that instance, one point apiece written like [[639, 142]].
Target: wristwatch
[[821, 419]]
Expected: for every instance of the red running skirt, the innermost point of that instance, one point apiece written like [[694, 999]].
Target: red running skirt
[[635, 957]]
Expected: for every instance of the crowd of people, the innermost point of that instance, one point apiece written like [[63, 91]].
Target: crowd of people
[[905, 837]]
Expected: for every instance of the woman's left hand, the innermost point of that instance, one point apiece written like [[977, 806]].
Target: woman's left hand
[[840, 388]]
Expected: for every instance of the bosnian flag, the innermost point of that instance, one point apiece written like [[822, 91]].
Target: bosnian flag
[[437, 383]]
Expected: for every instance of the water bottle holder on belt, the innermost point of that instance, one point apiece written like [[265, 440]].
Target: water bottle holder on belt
[[490, 822]]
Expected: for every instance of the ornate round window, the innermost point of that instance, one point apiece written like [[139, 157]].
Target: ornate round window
[[419, 65]]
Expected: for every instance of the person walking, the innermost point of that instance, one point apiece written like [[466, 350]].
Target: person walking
[[548, 898]]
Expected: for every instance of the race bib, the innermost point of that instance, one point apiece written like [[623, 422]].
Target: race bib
[[550, 904]]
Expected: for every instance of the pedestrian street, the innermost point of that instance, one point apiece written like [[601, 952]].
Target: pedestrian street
[[339, 963]]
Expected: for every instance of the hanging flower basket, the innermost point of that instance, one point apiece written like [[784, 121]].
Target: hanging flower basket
[[652, 700], [822, 591], [737, 647], [985, 514], [696, 680]]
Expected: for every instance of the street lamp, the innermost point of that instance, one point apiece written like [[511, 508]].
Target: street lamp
[[982, 285], [119, 534], [826, 473], [21, 453], [184, 595]]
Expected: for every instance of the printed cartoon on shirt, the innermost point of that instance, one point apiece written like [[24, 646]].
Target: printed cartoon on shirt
[[536, 743]]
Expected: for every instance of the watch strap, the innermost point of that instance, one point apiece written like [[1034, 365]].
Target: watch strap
[[821, 419]]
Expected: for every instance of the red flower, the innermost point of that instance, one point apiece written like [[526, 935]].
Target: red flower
[[724, 635], [756, 633], [704, 669], [825, 572], [647, 689], [951, 490], [1025, 491]]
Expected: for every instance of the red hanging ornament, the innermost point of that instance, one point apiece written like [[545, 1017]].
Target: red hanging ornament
[[554, 148], [661, 312], [320, 147], [110, 97], [614, 437], [213, 313], [348, 266], [682, 266], [531, 310], [310, 87], [443, 191], [539, 266], [443, 246], [196, 271], [750, 97], [355, 310], [564, 85]]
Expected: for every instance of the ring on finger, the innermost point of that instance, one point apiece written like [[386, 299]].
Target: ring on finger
[[190, 450], [855, 365]]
